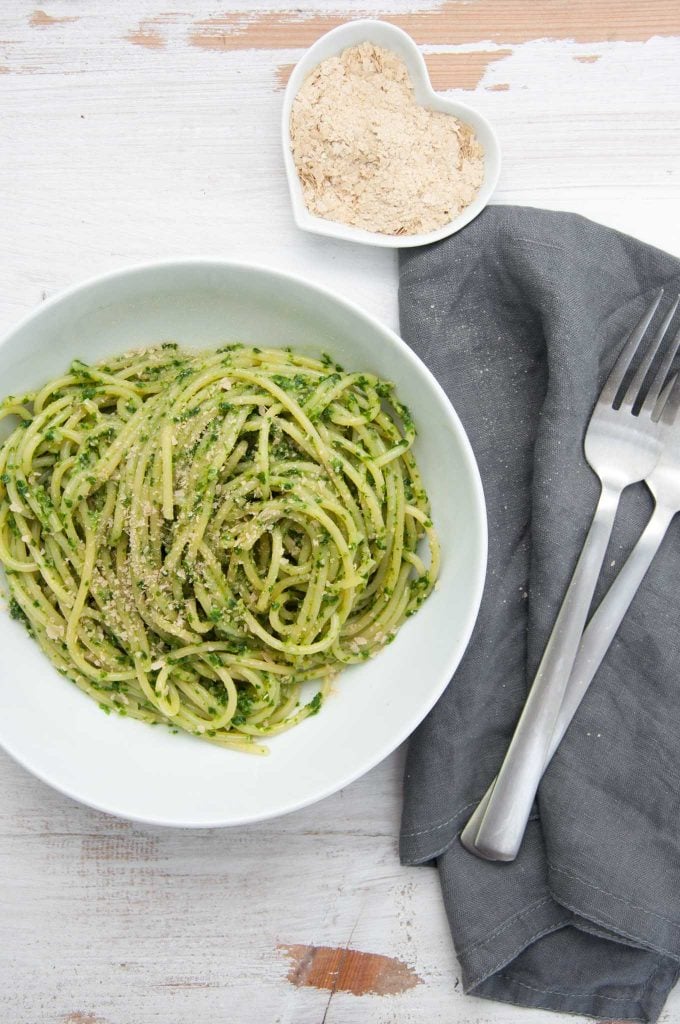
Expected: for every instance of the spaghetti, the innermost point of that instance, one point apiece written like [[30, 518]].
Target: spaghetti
[[191, 536]]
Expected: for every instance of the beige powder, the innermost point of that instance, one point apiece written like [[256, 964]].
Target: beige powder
[[369, 156]]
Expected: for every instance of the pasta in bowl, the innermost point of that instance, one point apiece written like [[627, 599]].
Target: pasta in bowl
[[192, 536], [228, 529]]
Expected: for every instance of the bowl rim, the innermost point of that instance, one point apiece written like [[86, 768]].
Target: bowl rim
[[476, 587], [307, 221]]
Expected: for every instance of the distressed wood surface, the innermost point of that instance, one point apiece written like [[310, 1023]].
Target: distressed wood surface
[[130, 131]]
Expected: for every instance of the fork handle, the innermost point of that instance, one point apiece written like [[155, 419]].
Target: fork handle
[[595, 642], [501, 830], [605, 622]]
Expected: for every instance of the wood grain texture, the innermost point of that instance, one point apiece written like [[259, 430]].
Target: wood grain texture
[[342, 969], [146, 34], [40, 19], [78, 1017], [453, 21], [123, 141]]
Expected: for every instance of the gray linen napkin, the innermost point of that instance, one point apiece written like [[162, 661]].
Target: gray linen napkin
[[520, 316]]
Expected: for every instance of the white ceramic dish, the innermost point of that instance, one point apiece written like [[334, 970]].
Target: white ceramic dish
[[126, 767], [392, 38]]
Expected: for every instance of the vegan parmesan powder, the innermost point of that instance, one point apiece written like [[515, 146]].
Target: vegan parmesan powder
[[368, 155]]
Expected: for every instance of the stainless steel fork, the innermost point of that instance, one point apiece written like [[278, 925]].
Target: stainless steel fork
[[622, 446], [664, 483]]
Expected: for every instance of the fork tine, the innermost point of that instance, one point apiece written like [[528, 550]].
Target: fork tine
[[663, 397], [671, 405], [618, 372], [634, 389], [657, 384]]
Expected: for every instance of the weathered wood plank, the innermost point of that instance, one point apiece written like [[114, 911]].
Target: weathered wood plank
[[132, 131]]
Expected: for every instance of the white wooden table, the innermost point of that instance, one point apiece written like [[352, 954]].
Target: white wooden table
[[134, 130]]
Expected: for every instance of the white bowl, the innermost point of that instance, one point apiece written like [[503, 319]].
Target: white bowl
[[126, 767], [391, 38]]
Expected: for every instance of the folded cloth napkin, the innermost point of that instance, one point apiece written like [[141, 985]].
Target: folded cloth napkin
[[520, 316]]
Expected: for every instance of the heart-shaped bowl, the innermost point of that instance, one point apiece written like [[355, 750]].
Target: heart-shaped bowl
[[382, 34]]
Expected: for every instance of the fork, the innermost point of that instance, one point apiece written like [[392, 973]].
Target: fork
[[664, 484], [622, 446]]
